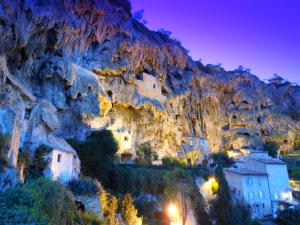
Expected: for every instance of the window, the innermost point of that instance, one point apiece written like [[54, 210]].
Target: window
[[250, 195], [249, 181], [261, 194], [59, 158], [154, 86], [275, 196], [125, 138], [258, 181], [263, 205]]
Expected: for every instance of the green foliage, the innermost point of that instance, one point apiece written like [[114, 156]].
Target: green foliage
[[126, 178], [3, 151], [294, 172], [288, 217], [128, 211], [36, 166], [109, 205], [199, 206], [271, 147], [175, 162], [90, 219], [145, 155], [221, 159], [111, 216], [97, 155], [39, 202], [297, 143], [221, 207], [84, 186], [242, 214], [147, 209]]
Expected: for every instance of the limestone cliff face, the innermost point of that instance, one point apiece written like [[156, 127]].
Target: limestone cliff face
[[96, 67]]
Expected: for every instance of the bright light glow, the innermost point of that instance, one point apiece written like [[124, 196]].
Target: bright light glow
[[172, 210], [176, 223], [211, 185]]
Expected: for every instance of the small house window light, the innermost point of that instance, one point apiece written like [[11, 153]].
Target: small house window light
[[59, 158]]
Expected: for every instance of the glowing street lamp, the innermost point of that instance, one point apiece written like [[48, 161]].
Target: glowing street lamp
[[172, 210]]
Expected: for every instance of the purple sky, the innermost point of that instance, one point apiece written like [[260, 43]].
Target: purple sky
[[263, 35]]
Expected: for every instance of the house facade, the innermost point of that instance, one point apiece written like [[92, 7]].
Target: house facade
[[264, 183], [251, 187], [279, 186], [149, 86], [64, 163]]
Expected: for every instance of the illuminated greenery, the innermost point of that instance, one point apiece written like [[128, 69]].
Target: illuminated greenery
[[128, 211], [145, 155], [42, 202]]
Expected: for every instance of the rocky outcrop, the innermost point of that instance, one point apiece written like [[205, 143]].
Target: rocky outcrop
[[82, 60]]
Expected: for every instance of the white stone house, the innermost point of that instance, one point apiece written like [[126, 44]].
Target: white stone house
[[251, 187], [267, 184], [278, 179], [64, 163]]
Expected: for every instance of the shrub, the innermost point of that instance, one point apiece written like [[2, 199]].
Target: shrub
[[288, 217], [97, 155], [297, 143], [172, 161], [36, 166], [147, 209], [145, 155], [272, 148], [84, 186], [221, 209], [90, 219], [221, 159], [39, 202], [128, 211]]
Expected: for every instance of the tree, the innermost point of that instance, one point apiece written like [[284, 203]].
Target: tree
[[271, 147], [128, 211], [221, 159], [288, 217], [199, 206], [145, 155], [113, 207], [221, 207], [97, 155], [40, 202], [35, 166], [179, 183]]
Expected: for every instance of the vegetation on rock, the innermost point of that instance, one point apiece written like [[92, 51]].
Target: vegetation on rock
[[84, 186], [97, 155], [40, 202], [3, 151]]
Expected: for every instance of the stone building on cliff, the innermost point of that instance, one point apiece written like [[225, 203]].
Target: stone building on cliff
[[149, 86]]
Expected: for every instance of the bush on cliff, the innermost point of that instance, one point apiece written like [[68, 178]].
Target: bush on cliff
[[42, 202], [145, 155], [97, 155], [84, 186], [3, 151]]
